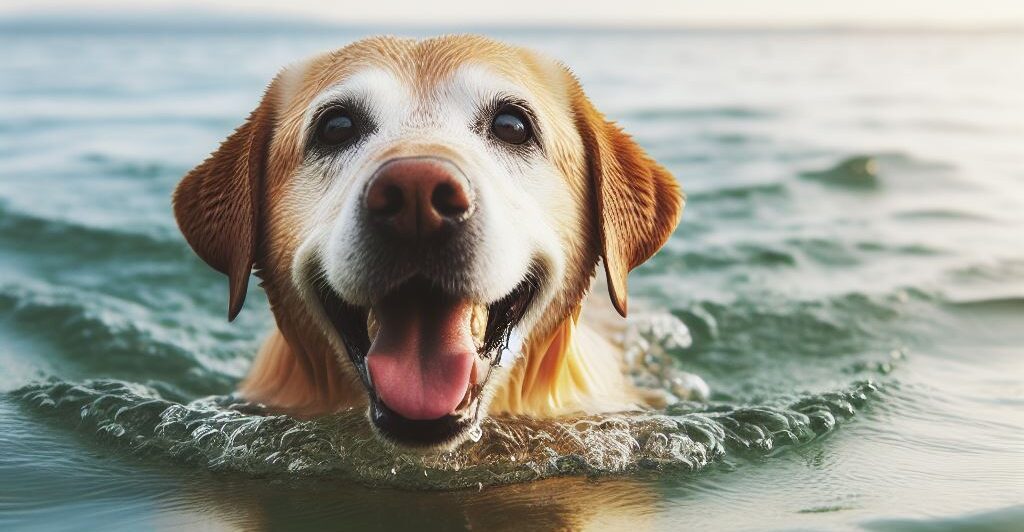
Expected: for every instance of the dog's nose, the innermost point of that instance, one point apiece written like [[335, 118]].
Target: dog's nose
[[418, 197]]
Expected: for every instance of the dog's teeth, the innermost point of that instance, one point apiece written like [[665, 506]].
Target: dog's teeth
[[372, 327], [478, 323]]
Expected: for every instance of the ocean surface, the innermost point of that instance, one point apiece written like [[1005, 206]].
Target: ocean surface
[[848, 278]]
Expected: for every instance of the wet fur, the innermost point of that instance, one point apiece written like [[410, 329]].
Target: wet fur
[[240, 210]]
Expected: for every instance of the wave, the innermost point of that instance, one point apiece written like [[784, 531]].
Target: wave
[[35, 124], [149, 267], [1000, 304], [869, 171], [738, 192], [720, 112], [942, 214], [29, 233], [135, 169], [754, 347], [225, 433], [859, 171], [106, 335], [791, 252], [918, 250], [222, 433], [1007, 518], [1001, 271], [745, 255]]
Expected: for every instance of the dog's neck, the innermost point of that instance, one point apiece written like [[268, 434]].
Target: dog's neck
[[566, 371]]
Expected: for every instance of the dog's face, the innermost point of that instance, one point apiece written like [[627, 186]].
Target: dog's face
[[418, 209]]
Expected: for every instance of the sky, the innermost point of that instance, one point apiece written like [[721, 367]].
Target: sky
[[717, 13]]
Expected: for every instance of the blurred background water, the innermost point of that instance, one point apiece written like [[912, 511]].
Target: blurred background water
[[848, 278]]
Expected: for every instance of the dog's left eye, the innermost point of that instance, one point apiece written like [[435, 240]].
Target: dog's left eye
[[511, 125], [336, 127]]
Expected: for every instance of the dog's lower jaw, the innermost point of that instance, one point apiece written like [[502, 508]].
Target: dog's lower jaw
[[570, 370]]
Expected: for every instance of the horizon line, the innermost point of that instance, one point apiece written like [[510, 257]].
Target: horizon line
[[208, 20]]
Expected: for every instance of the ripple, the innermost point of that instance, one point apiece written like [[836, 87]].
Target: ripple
[[225, 433], [785, 253], [762, 323], [678, 113], [753, 190], [1000, 271], [1010, 518], [869, 171], [222, 433], [742, 255], [941, 214], [33, 233], [913, 249], [113, 166], [860, 171], [1002, 304], [115, 337]]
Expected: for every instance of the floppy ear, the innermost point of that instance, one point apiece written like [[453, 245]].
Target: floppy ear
[[217, 204], [637, 202]]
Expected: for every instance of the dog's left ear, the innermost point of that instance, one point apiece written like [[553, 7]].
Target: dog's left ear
[[217, 204], [637, 202]]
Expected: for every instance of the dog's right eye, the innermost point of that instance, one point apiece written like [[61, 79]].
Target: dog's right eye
[[336, 127]]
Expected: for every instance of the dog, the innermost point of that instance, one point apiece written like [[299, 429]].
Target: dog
[[427, 218]]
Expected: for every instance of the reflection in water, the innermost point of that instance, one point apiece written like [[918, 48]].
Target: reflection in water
[[553, 504]]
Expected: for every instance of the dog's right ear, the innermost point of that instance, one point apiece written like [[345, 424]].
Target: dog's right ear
[[217, 205]]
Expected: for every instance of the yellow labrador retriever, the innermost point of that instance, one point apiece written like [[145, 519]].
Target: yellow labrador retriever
[[426, 218]]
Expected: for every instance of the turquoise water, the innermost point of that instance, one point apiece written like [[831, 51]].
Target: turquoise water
[[848, 278]]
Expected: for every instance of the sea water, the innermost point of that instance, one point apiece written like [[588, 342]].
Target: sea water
[[848, 279]]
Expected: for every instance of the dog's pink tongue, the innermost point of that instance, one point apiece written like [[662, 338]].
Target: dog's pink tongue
[[421, 361]]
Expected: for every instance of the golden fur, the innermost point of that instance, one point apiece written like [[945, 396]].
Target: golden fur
[[241, 209]]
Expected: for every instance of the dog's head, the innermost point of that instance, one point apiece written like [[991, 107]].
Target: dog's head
[[421, 207]]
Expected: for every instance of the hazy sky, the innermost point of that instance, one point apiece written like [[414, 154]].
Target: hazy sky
[[948, 13]]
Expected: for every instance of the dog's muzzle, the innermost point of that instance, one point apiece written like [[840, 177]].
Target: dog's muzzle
[[425, 343]]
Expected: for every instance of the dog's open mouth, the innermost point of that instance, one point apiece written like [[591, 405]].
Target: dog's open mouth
[[425, 355]]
